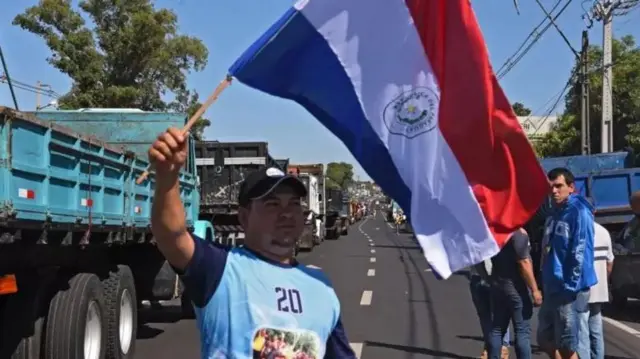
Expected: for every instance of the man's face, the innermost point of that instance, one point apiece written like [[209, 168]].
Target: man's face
[[560, 190], [274, 222]]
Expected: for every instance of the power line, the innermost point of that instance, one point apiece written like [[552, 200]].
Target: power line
[[556, 100], [29, 88], [527, 45], [4, 66]]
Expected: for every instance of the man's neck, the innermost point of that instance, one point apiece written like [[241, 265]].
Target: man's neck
[[287, 260]]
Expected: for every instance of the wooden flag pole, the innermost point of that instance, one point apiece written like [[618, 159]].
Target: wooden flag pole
[[187, 127]]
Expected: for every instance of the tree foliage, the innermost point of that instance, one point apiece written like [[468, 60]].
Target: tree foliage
[[564, 138], [339, 175], [131, 56], [520, 109]]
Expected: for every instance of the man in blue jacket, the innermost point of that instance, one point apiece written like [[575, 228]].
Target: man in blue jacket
[[567, 267]]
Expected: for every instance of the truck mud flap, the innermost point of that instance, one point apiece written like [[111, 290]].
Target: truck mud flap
[[166, 284]]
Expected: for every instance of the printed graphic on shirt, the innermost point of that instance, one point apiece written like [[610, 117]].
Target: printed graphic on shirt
[[271, 343]]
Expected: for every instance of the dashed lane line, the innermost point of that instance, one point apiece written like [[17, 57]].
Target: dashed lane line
[[371, 272], [372, 259], [357, 349], [367, 295], [373, 251]]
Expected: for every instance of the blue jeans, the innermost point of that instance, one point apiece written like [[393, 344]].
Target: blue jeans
[[591, 334], [560, 318], [481, 297], [513, 305]]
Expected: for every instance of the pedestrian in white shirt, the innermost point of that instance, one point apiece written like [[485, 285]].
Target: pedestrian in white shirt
[[591, 333]]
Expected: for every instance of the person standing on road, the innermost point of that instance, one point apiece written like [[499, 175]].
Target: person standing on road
[[481, 298], [591, 332], [511, 280], [240, 291], [567, 267]]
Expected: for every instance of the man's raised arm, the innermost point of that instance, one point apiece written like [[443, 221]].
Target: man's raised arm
[[168, 154]]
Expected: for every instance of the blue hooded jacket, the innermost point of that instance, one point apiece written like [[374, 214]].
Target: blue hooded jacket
[[568, 265]]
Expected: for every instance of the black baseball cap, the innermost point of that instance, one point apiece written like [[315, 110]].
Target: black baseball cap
[[263, 181]]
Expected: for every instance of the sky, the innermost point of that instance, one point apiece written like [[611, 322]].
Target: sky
[[227, 28]]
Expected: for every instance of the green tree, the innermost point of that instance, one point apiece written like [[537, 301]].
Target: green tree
[[131, 56], [339, 175], [520, 109], [189, 103], [564, 138]]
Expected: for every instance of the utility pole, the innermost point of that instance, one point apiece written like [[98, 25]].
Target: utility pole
[[604, 10], [585, 137], [38, 86], [583, 78], [606, 137]]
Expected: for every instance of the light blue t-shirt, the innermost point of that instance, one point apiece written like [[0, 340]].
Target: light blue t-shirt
[[246, 304]]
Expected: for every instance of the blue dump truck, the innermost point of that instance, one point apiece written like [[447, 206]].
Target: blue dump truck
[[608, 179], [76, 251]]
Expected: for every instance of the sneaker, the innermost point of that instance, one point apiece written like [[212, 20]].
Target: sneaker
[[505, 353]]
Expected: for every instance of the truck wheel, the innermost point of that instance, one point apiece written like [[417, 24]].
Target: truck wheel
[[76, 326], [23, 318], [121, 313]]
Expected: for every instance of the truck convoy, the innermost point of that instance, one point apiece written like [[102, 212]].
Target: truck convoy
[[76, 250]]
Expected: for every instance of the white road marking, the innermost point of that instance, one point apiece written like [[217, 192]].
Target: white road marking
[[373, 251], [372, 259], [357, 349], [371, 272], [428, 270], [366, 297], [622, 326]]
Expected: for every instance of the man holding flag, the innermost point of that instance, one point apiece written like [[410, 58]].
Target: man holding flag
[[416, 102]]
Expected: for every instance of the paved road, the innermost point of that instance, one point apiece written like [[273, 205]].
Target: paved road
[[392, 305]]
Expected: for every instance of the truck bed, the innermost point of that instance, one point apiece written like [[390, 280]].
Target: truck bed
[[589, 163], [50, 174]]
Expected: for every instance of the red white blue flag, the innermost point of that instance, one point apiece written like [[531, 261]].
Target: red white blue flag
[[408, 88]]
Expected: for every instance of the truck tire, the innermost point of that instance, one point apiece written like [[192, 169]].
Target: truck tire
[[23, 320], [76, 320], [121, 313]]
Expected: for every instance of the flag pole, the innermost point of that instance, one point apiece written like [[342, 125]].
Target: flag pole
[[187, 127]]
